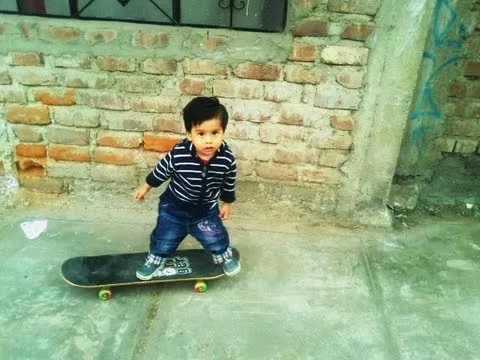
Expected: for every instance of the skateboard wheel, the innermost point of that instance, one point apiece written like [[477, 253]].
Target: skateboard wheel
[[105, 294], [200, 286]]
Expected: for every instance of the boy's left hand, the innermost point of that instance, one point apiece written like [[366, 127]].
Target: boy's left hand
[[225, 211]]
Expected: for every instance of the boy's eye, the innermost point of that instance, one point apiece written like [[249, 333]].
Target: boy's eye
[[201, 134]]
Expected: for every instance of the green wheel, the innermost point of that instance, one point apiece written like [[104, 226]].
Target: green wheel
[[200, 287], [105, 294]]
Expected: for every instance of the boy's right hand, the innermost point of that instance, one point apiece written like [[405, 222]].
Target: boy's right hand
[[141, 192]]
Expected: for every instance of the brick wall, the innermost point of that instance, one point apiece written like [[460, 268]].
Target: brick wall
[[462, 132], [101, 102], [445, 115]]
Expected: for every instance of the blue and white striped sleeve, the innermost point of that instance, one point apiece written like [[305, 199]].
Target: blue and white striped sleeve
[[161, 172], [229, 183]]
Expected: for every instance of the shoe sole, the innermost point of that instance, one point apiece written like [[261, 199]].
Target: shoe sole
[[235, 272]]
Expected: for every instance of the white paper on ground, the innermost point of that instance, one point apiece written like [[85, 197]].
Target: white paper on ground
[[34, 228]]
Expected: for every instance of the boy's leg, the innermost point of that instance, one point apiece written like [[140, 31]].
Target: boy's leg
[[213, 236], [165, 238]]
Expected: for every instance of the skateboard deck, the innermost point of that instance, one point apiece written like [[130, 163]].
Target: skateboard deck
[[106, 271]]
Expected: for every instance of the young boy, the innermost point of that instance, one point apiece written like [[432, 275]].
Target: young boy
[[202, 169]]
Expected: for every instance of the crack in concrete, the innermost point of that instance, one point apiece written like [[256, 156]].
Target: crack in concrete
[[143, 336], [377, 296]]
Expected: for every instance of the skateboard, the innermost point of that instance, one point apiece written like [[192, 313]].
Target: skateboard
[[107, 271]]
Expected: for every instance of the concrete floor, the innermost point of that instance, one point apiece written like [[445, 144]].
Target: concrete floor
[[306, 291]]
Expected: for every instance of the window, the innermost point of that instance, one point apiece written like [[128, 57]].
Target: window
[[257, 15]]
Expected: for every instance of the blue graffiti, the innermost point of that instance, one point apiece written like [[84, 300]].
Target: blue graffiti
[[428, 106], [450, 34]]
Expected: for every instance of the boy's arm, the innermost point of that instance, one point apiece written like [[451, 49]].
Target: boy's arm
[[227, 194], [159, 174]]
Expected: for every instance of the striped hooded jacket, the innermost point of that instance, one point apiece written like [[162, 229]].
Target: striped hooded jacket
[[191, 180]]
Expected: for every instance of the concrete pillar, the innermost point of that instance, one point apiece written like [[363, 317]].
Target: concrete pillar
[[394, 65]]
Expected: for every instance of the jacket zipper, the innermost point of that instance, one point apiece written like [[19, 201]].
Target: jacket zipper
[[204, 183]]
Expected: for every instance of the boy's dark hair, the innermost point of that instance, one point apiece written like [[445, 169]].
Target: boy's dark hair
[[203, 108]]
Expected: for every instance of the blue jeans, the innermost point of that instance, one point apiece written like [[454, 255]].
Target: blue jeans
[[174, 224]]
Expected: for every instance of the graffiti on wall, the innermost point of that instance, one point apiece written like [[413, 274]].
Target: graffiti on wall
[[449, 36]]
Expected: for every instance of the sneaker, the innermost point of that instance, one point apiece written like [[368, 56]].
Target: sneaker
[[231, 266], [149, 269]]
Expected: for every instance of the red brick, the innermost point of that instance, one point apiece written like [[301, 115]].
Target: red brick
[[474, 90], [80, 79], [159, 143], [35, 165], [359, 32], [303, 52], [254, 110], [203, 67], [13, 94], [472, 69], [150, 40], [307, 4], [342, 122], [153, 104], [69, 153], [77, 117], [340, 141], [67, 98], [102, 100], [283, 92], [304, 75], [213, 42], [33, 115], [294, 155], [192, 87], [159, 66], [270, 72], [137, 84], [343, 55], [364, 7], [465, 146], [168, 123], [101, 36], [321, 175], [243, 89], [32, 151], [68, 136], [27, 133], [27, 59], [318, 28], [30, 172], [277, 172], [74, 61], [59, 34], [116, 64], [457, 89], [332, 157], [114, 156], [291, 118], [34, 76], [351, 78], [5, 78], [119, 139]]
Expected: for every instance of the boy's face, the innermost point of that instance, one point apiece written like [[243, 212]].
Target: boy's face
[[207, 138]]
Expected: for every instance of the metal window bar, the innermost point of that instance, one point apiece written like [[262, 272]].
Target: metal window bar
[[38, 8]]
